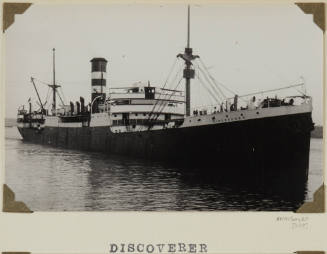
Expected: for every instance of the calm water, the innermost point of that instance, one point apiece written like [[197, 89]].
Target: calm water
[[48, 178]]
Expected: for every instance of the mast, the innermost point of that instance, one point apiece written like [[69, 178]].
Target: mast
[[188, 73], [54, 82], [188, 26], [54, 86]]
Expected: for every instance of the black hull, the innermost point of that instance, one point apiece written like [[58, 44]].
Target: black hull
[[268, 153]]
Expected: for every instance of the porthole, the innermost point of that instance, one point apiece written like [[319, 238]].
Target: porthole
[[213, 118], [257, 113], [199, 120]]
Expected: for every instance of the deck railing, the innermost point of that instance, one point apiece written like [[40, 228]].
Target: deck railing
[[267, 102]]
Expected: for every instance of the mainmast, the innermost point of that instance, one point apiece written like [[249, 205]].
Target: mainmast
[[188, 26], [188, 73], [54, 85], [54, 79]]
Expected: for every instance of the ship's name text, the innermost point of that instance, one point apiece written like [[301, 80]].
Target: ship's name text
[[158, 248]]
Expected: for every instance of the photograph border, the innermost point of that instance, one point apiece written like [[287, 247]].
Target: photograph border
[[315, 9], [318, 205]]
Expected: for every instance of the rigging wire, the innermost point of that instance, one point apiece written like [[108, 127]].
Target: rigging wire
[[170, 72], [60, 98], [300, 92], [241, 97], [201, 96], [42, 82], [164, 105], [159, 101], [213, 86], [214, 80], [47, 96], [217, 83], [63, 95], [272, 90], [219, 95], [207, 89], [58, 92], [263, 92]]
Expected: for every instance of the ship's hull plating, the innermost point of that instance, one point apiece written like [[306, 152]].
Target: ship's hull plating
[[272, 152]]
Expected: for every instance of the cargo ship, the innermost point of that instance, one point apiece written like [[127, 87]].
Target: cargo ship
[[241, 137]]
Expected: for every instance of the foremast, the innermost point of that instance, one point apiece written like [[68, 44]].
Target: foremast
[[188, 72], [54, 86]]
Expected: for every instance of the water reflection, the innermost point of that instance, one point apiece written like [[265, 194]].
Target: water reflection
[[135, 185], [49, 178]]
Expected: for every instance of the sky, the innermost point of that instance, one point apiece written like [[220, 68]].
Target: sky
[[246, 47]]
